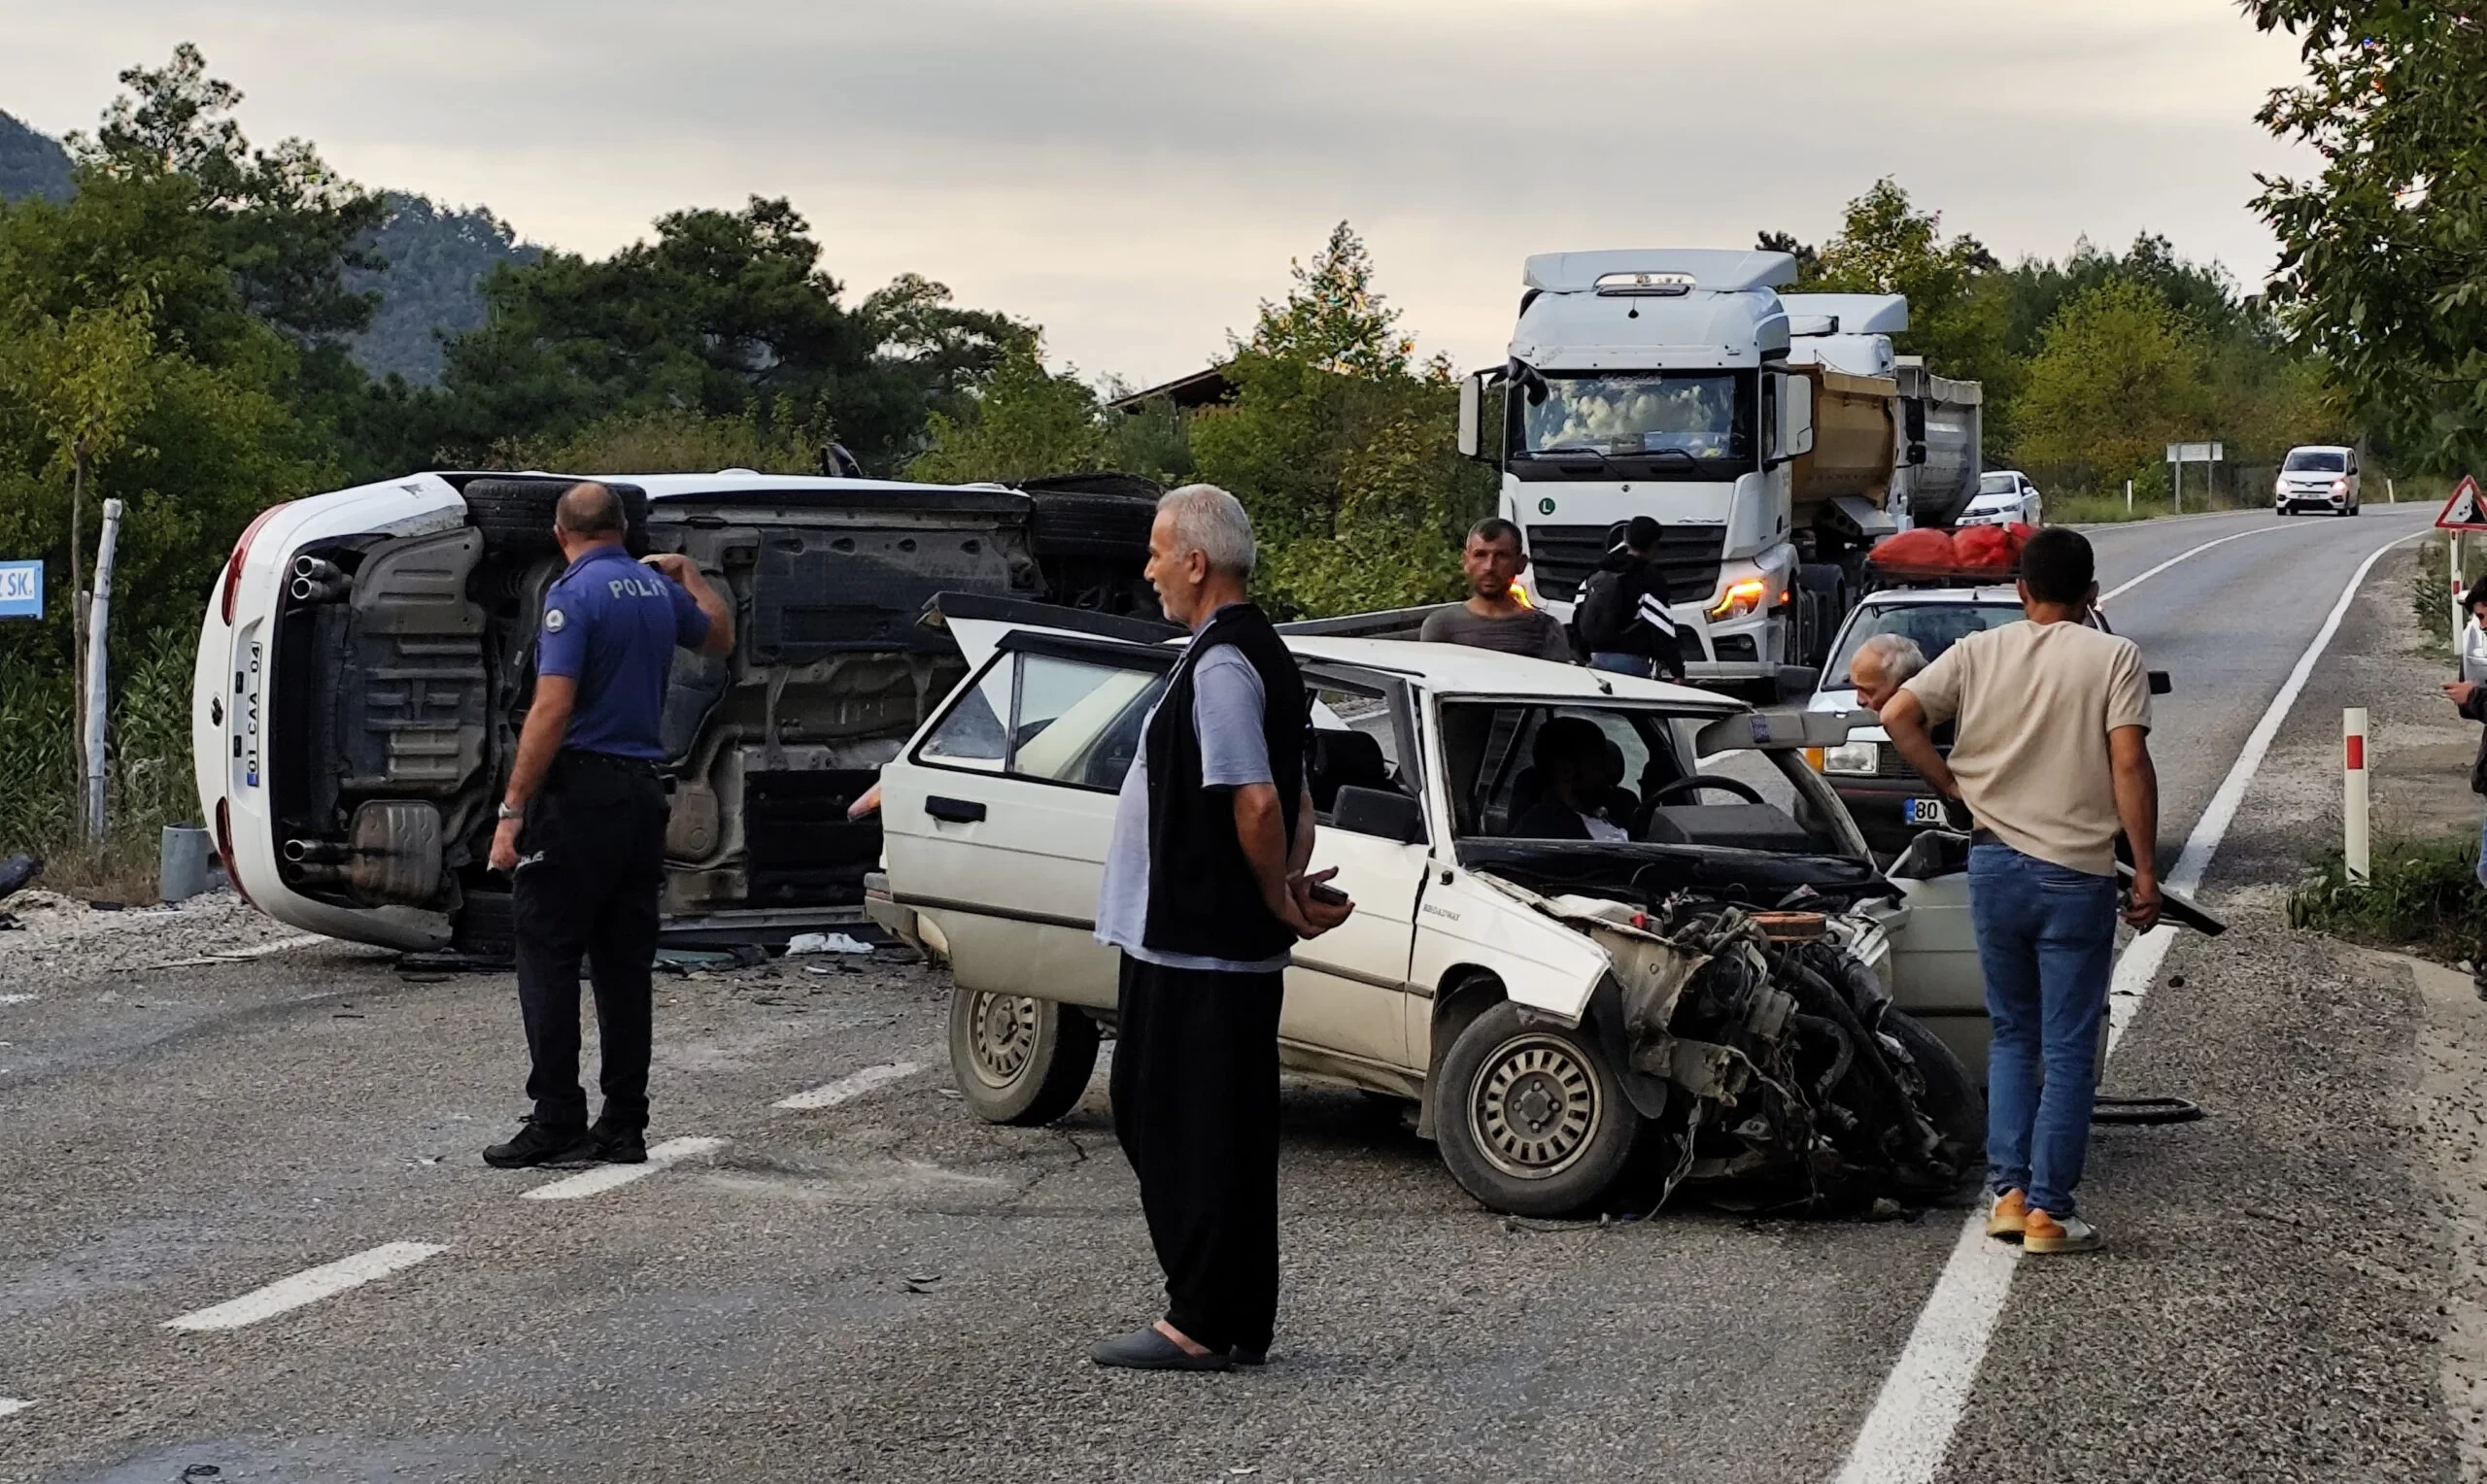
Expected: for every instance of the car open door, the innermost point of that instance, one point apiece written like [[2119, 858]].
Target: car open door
[[1348, 992], [996, 822]]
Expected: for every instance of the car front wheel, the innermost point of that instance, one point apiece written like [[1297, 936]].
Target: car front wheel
[[1017, 1060], [1530, 1117]]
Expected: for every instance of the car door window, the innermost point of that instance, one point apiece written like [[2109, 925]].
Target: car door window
[[1079, 721], [972, 735]]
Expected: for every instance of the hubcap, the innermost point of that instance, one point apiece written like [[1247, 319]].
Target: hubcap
[[1534, 1107], [1004, 1037]]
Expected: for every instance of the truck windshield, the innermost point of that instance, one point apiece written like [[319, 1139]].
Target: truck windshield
[[1696, 425]]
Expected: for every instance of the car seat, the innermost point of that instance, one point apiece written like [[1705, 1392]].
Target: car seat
[[1343, 760]]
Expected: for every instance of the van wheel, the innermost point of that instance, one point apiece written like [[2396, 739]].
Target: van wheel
[[1017, 1060], [516, 514], [1530, 1117]]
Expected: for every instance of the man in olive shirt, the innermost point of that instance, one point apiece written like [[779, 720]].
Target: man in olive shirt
[[2052, 755], [1493, 616]]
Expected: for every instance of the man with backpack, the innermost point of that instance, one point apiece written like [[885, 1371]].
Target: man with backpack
[[1624, 620]]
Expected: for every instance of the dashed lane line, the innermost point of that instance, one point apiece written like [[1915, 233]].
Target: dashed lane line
[[307, 1287], [1909, 1432], [8, 1404], [17, 999], [851, 1086], [605, 1177]]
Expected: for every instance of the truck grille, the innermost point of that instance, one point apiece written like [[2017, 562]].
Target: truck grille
[[1561, 558]]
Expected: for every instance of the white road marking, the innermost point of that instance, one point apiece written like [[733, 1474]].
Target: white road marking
[[2124, 587], [852, 1084], [1908, 1433], [605, 1177], [308, 1287], [10, 1405], [17, 999]]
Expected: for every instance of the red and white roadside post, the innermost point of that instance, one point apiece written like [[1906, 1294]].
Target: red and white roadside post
[[2353, 794]]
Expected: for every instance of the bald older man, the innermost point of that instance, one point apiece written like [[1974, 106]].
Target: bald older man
[[581, 824], [1883, 665]]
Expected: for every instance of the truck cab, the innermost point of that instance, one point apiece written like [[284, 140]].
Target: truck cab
[[1773, 436]]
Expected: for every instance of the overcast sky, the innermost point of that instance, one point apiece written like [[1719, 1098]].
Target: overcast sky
[[1136, 174]]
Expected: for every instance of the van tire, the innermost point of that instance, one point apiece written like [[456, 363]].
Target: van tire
[[1017, 1060], [516, 514], [1502, 1071]]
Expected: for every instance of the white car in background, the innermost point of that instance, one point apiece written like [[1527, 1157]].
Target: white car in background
[[2317, 477], [1725, 982], [2005, 496]]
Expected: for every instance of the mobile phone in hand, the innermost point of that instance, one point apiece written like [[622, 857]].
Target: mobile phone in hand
[[1326, 894]]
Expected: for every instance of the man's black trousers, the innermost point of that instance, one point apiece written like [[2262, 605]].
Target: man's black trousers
[[1196, 1107], [590, 863]]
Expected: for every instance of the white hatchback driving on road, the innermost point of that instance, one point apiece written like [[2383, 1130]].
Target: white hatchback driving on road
[[2317, 478], [1726, 974]]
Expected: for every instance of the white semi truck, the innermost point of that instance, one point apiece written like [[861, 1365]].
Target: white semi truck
[[1775, 437]]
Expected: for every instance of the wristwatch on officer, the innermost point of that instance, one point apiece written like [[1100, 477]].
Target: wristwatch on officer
[[505, 812]]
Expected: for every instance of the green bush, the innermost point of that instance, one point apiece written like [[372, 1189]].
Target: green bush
[[2422, 894], [149, 785]]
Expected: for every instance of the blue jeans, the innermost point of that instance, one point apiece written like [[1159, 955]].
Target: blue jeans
[[2046, 944], [1620, 664]]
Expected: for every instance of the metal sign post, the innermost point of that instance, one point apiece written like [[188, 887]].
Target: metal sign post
[[98, 624], [2465, 511], [2209, 454], [20, 590]]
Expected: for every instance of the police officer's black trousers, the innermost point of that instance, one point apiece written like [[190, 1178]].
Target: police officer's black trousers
[[1196, 1106], [590, 863]]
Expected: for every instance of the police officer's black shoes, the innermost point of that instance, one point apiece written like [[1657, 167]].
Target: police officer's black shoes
[[618, 1145], [539, 1144]]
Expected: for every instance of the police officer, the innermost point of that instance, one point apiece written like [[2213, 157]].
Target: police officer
[[582, 824]]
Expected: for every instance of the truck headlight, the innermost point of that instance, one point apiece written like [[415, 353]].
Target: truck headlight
[[1741, 599], [1852, 758]]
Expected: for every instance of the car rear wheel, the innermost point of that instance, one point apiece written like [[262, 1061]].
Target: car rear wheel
[[1945, 1094], [516, 514], [1018, 1059], [1530, 1117]]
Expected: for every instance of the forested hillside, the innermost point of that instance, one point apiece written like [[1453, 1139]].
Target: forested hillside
[[432, 289], [32, 163]]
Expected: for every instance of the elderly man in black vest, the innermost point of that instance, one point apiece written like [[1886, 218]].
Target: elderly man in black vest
[[1205, 894]]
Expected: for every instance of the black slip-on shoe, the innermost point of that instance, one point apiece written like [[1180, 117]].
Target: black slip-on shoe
[[538, 1145], [618, 1146], [1145, 1349], [1241, 1355]]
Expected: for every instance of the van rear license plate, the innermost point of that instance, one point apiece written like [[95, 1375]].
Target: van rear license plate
[[1924, 811]]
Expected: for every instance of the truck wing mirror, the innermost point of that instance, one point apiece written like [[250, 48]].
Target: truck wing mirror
[[1383, 813], [1795, 416], [1472, 409], [2161, 685]]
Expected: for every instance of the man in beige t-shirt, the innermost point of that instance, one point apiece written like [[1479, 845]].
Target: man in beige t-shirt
[[2052, 756]]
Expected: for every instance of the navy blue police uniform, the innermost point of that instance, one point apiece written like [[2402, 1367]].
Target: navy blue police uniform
[[591, 844]]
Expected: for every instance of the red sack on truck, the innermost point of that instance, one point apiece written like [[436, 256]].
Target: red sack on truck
[[1988, 548], [1924, 550]]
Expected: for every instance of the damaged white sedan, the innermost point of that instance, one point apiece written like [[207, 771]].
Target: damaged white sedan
[[1721, 986]]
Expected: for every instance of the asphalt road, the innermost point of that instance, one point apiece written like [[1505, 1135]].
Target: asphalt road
[[883, 1288]]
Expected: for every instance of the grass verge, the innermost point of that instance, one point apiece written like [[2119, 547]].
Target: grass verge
[[2423, 896]]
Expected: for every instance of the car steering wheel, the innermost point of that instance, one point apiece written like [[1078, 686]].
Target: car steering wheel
[[1699, 781]]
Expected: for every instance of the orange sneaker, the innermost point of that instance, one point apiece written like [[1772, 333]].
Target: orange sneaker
[[2044, 1234], [2010, 1216]]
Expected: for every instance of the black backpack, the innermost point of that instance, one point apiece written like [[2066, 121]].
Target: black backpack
[[1604, 611]]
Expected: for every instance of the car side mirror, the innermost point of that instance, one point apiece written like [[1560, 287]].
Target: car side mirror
[[1383, 813], [2161, 685]]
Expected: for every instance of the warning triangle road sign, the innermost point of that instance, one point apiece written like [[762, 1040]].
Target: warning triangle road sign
[[2465, 510]]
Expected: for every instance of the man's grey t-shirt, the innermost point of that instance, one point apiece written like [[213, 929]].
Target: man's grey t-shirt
[[1531, 631], [1227, 698]]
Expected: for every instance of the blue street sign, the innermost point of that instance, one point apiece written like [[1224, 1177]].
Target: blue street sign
[[20, 590]]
